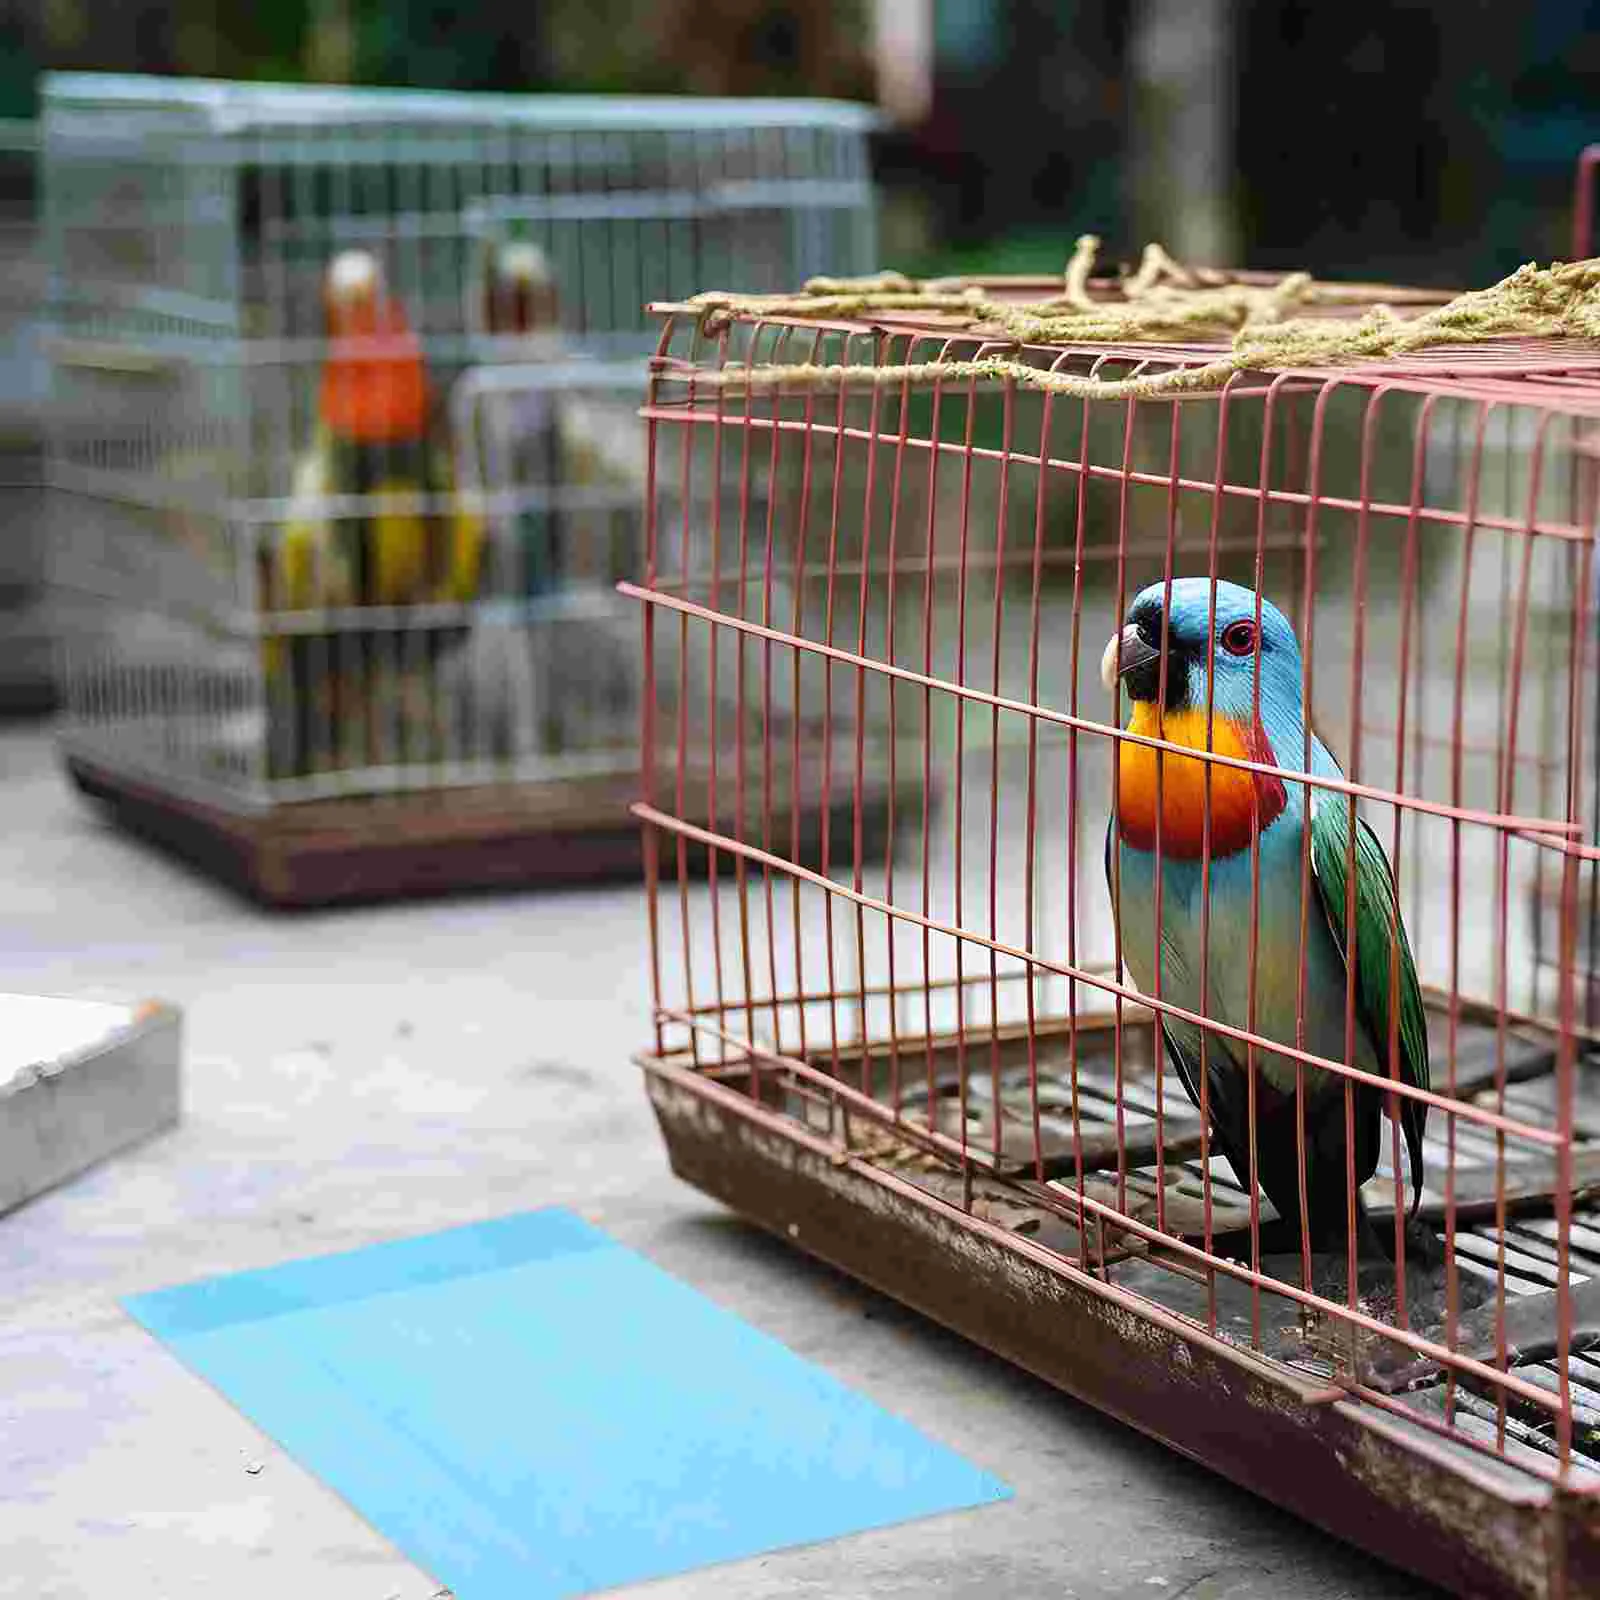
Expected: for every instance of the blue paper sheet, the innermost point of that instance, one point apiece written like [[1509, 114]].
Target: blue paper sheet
[[527, 1409]]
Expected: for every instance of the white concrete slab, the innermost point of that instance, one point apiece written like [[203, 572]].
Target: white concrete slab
[[39, 1030]]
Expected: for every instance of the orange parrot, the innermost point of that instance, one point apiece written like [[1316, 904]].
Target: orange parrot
[[374, 439]]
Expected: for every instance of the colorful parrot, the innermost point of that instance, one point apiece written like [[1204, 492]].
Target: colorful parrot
[[375, 438], [514, 301], [1222, 638], [562, 675], [514, 288], [493, 682], [376, 419]]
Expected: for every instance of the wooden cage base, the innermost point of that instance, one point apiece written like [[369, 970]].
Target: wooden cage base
[[441, 841], [1476, 1525]]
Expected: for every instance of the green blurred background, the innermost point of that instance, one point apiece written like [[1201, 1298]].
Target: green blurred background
[[1430, 141]]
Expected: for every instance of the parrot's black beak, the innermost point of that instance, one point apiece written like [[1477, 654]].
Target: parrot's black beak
[[1129, 652]]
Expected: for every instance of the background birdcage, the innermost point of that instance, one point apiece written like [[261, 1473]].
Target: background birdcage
[[190, 231], [925, 1061]]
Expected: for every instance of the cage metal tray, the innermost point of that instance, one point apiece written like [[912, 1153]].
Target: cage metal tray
[[1245, 1384], [432, 841]]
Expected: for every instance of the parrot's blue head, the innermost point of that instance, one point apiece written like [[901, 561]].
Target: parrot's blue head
[[1233, 640]]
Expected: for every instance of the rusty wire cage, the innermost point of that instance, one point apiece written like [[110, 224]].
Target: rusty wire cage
[[922, 1057], [267, 645]]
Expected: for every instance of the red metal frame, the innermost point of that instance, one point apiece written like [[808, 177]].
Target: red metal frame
[[1461, 711]]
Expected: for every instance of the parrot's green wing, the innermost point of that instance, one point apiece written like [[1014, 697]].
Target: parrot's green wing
[[1378, 927]]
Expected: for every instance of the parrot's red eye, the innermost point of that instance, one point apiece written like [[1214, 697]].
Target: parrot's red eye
[[1239, 638]]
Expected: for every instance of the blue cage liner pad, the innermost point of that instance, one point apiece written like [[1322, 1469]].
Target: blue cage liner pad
[[527, 1409]]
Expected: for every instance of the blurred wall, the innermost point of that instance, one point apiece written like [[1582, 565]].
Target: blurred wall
[[639, 46], [1431, 140]]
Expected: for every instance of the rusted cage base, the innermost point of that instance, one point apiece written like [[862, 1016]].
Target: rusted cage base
[[428, 842], [1473, 1525]]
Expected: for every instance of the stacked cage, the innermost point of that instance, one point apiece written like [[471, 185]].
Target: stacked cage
[[346, 440], [936, 1058]]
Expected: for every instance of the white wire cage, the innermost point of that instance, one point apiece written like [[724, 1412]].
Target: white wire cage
[[283, 615]]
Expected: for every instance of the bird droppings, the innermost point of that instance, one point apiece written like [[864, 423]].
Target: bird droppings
[[254, 1467], [561, 1073]]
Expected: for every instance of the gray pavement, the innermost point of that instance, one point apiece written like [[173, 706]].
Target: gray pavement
[[359, 1075]]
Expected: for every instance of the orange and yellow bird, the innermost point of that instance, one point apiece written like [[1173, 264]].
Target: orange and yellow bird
[[372, 519], [1215, 667]]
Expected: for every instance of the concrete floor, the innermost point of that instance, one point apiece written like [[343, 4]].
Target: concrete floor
[[355, 1076]]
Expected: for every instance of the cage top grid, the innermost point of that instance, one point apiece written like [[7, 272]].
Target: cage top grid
[[1182, 331], [239, 108], [229, 193]]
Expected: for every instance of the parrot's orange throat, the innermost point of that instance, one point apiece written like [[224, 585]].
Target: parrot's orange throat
[[1241, 802], [374, 388]]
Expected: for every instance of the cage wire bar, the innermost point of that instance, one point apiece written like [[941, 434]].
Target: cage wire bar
[[923, 1058], [300, 600]]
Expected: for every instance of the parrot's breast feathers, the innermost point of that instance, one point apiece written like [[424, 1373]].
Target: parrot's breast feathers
[[374, 389], [1242, 803]]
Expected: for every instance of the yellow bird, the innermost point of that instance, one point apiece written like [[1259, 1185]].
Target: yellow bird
[[365, 525]]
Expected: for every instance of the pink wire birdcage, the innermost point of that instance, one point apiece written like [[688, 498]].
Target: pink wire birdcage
[[914, 1045]]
